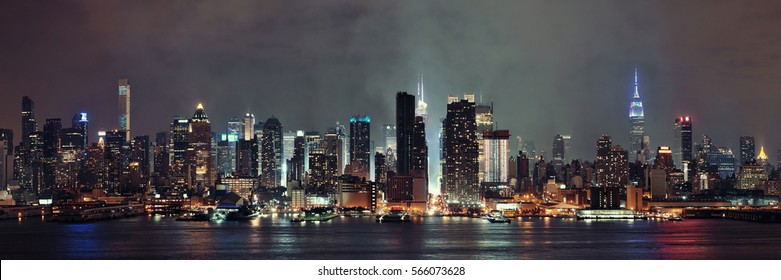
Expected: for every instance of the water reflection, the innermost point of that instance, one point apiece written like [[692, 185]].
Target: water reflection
[[275, 237]]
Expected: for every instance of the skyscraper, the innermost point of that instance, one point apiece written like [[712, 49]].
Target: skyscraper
[[557, 152], [28, 120], [762, 158], [419, 162], [116, 157], [391, 147], [81, 123], [124, 107], [664, 159], [748, 151], [271, 151], [604, 145], [422, 107], [617, 168], [248, 128], [460, 165], [496, 151], [360, 146], [177, 151], [405, 120], [636, 124], [484, 120], [682, 146], [6, 151], [202, 173]]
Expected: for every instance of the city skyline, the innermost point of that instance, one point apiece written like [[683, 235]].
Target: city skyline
[[364, 131], [595, 81]]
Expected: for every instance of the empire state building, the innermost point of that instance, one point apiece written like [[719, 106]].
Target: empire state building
[[636, 124]]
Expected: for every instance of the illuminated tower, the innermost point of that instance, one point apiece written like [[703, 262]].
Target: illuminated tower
[[460, 167], [682, 146], [422, 107], [28, 120], [762, 158], [179, 142], [747, 149], [200, 162], [419, 162], [484, 120], [271, 151], [636, 124], [81, 123], [360, 146], [124, 108], [497, 157], [604, 146], [248, 128]]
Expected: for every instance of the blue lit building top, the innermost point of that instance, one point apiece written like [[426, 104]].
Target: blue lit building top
[[354, 119], [636, 107]]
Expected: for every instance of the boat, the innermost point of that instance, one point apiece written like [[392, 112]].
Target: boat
[[244, 213], [315, 215], [497, 217], [675, 218], [197, 217], [394, 216]]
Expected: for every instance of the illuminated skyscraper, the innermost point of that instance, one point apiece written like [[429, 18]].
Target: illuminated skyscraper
[[460, 167], [202, 173], [484, 120], [177, 151], [288, 140], [422, 107], [419, 162], [6, 151], [496, 151], [391, 147], [405, 120], [636, 124], [748, 150], [604, 145], [51, 141], [617, 168], [81, 123], [360, 146], [271, 150], [682, 146], [248, 128], [124, 108], [664, 159], [28, 120], [558, 148], [116, 157], [762, 158]]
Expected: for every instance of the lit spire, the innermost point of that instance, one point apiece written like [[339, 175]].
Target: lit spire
[[762, 156], [200, 106], [636, 107], [421, 108], [420, 86]]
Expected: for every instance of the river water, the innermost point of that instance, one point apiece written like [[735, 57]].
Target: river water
[[275, 237]]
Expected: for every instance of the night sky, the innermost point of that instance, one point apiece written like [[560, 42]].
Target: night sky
[[549, 66]]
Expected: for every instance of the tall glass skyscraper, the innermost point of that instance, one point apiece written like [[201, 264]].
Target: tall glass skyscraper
[[124, 107], [405, 120], [360, 146], [682, 146], [28, 120], [636, 124], [748, 151]]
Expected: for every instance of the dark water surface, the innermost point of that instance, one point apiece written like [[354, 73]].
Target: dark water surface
[[276, 237]]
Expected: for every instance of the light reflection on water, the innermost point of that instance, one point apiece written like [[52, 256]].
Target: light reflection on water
[[275, 237]]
